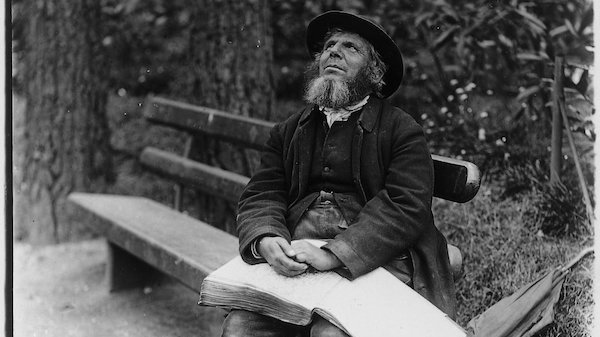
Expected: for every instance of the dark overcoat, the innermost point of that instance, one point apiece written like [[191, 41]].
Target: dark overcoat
[[393, 173]]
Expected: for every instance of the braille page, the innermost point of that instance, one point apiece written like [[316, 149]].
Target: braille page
[[378, 304]]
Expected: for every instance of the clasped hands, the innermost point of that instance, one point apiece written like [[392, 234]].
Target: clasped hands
[[294, 259]]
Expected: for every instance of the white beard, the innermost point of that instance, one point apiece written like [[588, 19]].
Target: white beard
[[327, 92]]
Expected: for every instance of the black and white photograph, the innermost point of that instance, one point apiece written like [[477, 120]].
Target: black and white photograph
[[300, 168]]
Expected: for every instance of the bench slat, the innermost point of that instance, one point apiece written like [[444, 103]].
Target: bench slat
[[209, 179], [246, 131], [455, 180], [181, 246]]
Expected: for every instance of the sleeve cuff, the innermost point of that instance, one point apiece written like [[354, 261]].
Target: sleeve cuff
[[353, 265], [254, 250], [251, 254]]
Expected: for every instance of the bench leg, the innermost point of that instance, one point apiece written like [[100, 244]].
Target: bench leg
[[126, 271]]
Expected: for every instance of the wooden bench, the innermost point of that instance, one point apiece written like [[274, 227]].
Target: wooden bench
[[142, 233]]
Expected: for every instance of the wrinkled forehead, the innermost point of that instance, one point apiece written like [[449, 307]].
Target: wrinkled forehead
[[339, 34]]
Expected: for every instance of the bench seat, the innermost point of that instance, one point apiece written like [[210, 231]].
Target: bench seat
[[170, 241]]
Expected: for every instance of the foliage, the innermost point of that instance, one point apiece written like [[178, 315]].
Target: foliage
[[482, 50]]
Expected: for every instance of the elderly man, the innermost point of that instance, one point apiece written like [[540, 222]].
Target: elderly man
[[350, 169]]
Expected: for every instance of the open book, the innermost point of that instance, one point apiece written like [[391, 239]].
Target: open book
[[375, 304]]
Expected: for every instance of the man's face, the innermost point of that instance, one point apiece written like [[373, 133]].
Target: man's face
[[344, 56]]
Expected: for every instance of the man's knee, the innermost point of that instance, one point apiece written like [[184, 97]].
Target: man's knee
[[235, 323], [322, 328], [249, 324]]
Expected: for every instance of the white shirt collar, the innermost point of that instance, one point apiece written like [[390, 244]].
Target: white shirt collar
[[342, 114]]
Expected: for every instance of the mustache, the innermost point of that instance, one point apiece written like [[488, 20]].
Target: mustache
[[334, 65]]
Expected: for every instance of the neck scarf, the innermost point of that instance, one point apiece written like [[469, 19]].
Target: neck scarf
[[342, 114]]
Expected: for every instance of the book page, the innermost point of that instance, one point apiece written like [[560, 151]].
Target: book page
[[378, 304]]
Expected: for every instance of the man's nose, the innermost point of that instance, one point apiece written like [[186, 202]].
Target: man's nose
[[335, 50], [335, 47]]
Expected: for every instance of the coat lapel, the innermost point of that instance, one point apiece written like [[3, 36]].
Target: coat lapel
[[366, 122], [370, 114], [304, 148]]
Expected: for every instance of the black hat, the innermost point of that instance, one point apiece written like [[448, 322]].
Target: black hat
[[367, 29]]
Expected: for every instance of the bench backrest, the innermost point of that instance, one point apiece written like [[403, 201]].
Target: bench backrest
[[246, 131], [455, 180]]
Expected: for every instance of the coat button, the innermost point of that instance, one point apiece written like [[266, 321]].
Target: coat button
[[326, 169]]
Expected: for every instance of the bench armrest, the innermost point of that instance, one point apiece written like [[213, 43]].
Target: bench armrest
[[455, 180]]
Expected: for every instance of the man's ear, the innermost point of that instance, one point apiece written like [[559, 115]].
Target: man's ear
[[377, 73]]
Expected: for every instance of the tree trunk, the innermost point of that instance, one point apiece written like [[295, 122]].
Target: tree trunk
[[232, 52], [66, 137]]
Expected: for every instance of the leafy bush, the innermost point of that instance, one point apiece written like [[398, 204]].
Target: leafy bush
[[462, 54]]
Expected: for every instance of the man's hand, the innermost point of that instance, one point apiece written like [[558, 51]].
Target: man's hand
[[280, 255], [318, 258]]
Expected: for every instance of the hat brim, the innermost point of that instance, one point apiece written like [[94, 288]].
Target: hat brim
[[381, 41]]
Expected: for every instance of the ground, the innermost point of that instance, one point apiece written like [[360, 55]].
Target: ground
[[60, 291]]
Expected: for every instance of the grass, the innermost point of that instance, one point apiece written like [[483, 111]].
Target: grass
[[501, 254], [502, 249]]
